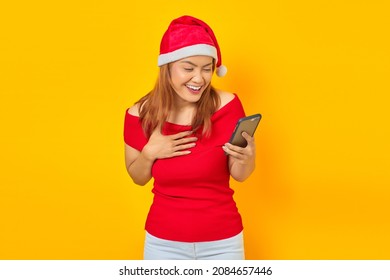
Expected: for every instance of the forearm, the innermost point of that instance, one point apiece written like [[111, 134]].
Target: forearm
[[241, 171], [141, 169]]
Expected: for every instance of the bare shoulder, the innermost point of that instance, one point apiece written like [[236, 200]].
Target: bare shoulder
[[225, 97], [134, 110]]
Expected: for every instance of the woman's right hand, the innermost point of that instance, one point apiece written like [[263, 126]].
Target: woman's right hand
[[162, 146]]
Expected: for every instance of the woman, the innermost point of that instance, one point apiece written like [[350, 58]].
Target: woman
[[177, 134]]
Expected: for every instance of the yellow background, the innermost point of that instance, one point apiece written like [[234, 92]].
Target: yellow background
[[318, 71]]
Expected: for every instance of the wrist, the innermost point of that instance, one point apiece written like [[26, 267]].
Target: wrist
[[147, 155]]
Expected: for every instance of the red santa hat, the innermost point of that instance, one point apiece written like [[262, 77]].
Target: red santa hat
[[188, 36]]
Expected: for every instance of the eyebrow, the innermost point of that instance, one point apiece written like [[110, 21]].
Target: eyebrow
[[193, 64]]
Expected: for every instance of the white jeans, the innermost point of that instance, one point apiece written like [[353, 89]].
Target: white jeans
[[226, 249]]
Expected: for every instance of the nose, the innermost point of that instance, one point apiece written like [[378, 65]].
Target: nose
[[197, 78]]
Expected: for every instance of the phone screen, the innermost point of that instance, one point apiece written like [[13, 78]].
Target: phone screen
[[247, 124]]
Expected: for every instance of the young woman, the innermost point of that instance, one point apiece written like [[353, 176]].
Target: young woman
[[177, 134]]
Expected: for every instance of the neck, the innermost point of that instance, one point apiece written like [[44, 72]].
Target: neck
[[182, 114]]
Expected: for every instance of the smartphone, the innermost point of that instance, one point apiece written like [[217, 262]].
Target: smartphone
[[247, 124]]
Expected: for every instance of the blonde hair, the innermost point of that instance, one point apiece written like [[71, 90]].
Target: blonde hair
[[156, 105]]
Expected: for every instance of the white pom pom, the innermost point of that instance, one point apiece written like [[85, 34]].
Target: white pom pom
[[221, 71]]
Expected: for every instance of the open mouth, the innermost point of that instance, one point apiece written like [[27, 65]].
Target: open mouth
[[193, 88]]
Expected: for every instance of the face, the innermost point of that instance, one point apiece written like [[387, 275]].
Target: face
[[190, 77]]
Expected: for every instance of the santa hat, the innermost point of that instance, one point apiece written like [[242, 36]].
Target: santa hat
[[188, 36]]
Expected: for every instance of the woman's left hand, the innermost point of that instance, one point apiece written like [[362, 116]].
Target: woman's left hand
[[242, 155], [241, 160]]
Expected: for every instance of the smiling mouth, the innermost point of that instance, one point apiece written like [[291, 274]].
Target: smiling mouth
[[193, 88]]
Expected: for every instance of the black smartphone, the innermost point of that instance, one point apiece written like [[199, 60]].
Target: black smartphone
[[247, 124]]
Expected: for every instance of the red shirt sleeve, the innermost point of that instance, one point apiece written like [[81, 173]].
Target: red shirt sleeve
[[134, 135]]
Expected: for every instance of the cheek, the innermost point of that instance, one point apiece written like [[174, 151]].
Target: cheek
[[207, 78], [179, 77]]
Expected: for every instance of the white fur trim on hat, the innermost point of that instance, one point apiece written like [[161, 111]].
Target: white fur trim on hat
[[199, 49]]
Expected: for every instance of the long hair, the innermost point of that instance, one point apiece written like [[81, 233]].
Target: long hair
[[156, 105]]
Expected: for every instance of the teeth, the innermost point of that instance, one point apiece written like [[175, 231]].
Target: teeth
[[193, 87]]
